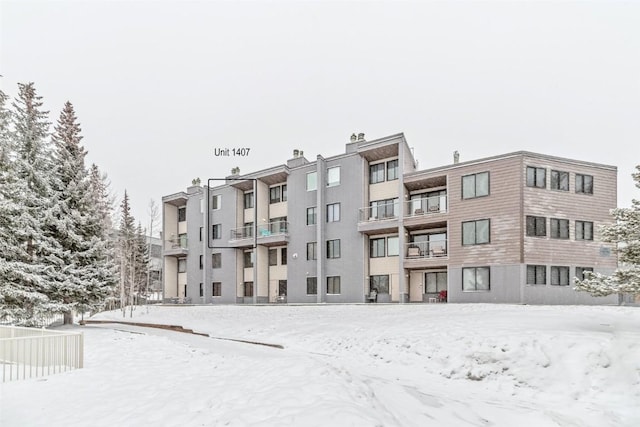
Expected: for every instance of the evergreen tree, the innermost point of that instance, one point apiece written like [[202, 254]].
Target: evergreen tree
[[126, 252], [626, 234]]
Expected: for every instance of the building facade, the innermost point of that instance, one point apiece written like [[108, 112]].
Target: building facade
[[514, 228]]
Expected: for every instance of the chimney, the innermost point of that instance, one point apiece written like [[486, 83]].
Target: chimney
[[296, 153], [456, 157], [353, 137], [361, 137], [235, 171], [301, 153]]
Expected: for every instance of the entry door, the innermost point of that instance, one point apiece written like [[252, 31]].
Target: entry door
[[282, 288]]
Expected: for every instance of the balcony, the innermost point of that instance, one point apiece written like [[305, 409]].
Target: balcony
[[419, 254], [176, 246], [273, 233], [426, 206], [380, 217]]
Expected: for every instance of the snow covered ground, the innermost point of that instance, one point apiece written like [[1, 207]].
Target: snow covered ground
[[347, 365]]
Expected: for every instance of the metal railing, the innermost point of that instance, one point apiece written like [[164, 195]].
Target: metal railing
[[379, 212], [240, 233], [271, 229], [29, 352], [426, 206], [426, 249]]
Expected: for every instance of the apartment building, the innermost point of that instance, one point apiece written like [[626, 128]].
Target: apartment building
[[514, 228]]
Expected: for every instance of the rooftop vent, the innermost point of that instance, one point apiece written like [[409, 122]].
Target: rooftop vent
[[235, 171], [361, 137], [456, 157], [353, 137]]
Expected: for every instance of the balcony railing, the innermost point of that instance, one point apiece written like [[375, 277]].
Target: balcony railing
[[271, 229], [379, 212], [426, 206], [426, 249], [179, 242]]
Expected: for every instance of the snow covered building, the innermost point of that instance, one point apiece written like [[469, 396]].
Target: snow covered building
[[513, 228]]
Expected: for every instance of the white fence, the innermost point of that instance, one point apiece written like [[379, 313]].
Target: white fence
[[29, 352]]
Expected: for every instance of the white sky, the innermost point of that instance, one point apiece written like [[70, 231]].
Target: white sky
[[158, 85]]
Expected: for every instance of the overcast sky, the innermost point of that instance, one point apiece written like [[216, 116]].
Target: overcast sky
[[158, 85]]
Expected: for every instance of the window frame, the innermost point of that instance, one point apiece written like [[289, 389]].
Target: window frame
[[580, 275], [331, 183], [558, 270], [536, 268], [247, 289], [273, 257], [248, 200], [476, 270], [555, 180], [559, 234], [436, 275], [216, 231], [333, 212], [395, 164], [313, 211], [283, 256], [536, 220], [216, 202], [314, 183], [331, 283], [216, 289], [312, 250], [476, 184], [375, 281], [374, 247], [373, 171], [580, 188], [275, 194], [580, 228], [397, 246], [312, 285], [333, 249], [475, 232], [182, 265], [182, 213], [216, 260], [247, 261], [533, 182]]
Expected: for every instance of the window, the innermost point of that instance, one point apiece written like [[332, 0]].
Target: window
[[216, 289], [559, 180], [201, 262], [312, 251], [248, 259], [536, 226], [435, 282], [536, 274], [216, 260], [584, 184], [376, 247], [182, 240], [201, 234], [284, 193], [376, 173], [333, 212], [283, 256], [580, 272], [182, 213], [247, 230], [201, 290], [274, 194], [248, 200], [559, 275], [182, 265], [393, 246], [380, 283], [216, 231], [475, 279], [312, 285], [476, 185], [273, 257], [333, 285], [559, 228], [312, 181], [392, 170], [333, 176], [248, 289], [381, 209], [584, 230], [333, 248], [312, 215], [216, 202], [475, 232], [536, 177]]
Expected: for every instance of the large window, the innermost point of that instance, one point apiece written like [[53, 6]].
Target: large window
[[392, 170], [248, 259], [376, 173], [581, 272], [377, 247], [216, 289], [182, 213], [273, 257], [333, 176], [380, 283], [476, 185], [248, 289], [559, 275], [536, 274], [216, 260], [216, 231], [248, 200], [435, 282], [475, 232], [393, 246], [333, 212], [584, 184], [274, 195], [559, 180], [333, 285], [312, 248], [475, 279], [216, 202], [536, 226], [312, 181], [182, 265], [584, 230], [312, 215], [312, 285], [333, 248], [559, 228], [536, 177]]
